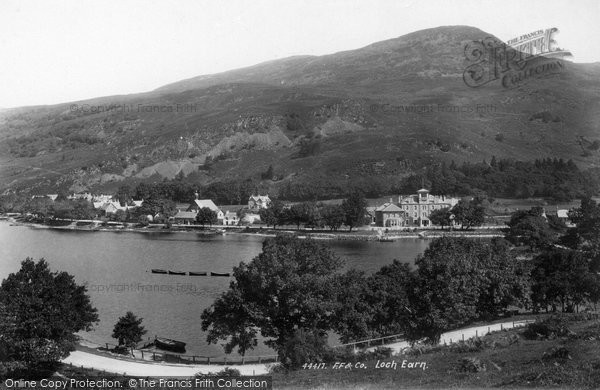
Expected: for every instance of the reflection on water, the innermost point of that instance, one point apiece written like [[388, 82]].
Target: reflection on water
[[116, 266]]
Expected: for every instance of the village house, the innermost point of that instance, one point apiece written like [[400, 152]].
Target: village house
[[390, 216], [230, 218], [419, 206], [258, 202], [82, 195], [185, 217], [198, 204], [411, 210]]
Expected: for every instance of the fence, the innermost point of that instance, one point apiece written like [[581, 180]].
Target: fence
[[373, 342], [447, 338], [146, 354]]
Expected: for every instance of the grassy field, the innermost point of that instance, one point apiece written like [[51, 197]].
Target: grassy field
[[504, 359]]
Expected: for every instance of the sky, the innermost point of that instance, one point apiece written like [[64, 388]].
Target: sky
[[60, 51]]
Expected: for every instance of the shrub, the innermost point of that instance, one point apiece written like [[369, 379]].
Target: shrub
[[557, 353], [471, 364], [547, 328]]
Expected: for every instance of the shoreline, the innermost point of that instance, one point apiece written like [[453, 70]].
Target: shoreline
[[360, 235]]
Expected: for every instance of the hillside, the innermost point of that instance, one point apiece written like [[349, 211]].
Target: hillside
[[384, 110]]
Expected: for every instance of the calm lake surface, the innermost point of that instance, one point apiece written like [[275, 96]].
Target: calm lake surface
[[116, 268]]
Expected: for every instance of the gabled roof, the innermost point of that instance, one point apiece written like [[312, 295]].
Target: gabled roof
[[389, 208], [186, 214], [263, 198], [201, 203]]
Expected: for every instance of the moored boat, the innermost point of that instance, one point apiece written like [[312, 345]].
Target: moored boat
[[159, 271], [169, 344], [220, 274], [197, 273], [176, 272]]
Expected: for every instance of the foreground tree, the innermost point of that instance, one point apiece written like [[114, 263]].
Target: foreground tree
[[562, 278], [288, 287], [459, 280], [128, 330], [41, 311]]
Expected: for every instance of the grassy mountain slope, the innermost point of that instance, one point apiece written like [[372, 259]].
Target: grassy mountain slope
[[338, 116]]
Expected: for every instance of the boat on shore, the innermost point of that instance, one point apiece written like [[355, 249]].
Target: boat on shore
[[159, 271], [169, 344], [220, 274], [197, 273], [176, 272]]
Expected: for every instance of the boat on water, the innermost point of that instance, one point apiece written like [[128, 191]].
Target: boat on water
[[220, 274], [197, 273], [169, 344], [159, 271], [176, 272], [386, 239], [421, 235]]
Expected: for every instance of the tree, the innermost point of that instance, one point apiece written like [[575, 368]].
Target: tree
[[333, 216], [469, 213], [124, 194], [530, 228], [41, 312], [459, 280], [441, 217], [287, 287], [585, 236], [563, 277], [153, 206], [206, 216], [298, 213], [274, 215], [355, 207], [128, 330]]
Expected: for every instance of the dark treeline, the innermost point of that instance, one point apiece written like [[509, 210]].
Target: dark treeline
[[551, 178]]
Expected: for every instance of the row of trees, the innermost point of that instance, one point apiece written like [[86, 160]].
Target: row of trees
[[467, 213], [297, 287], [351, 212]]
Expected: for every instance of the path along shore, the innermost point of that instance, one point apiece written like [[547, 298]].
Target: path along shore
[[153, 369]]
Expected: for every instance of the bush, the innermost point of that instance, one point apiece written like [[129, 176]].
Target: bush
[[547, 328], [557, 353], [473, 345], [471, 364]]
